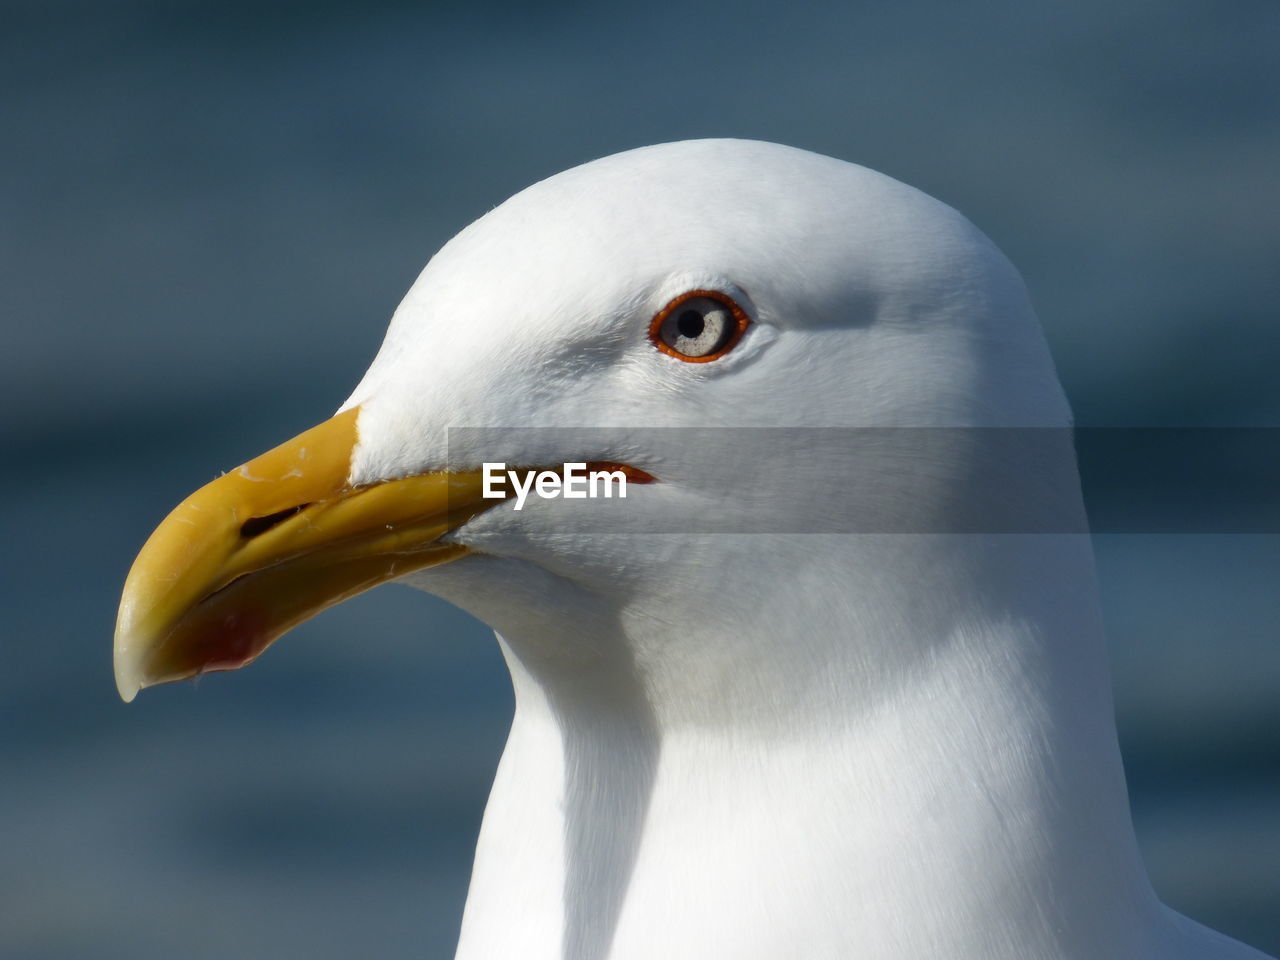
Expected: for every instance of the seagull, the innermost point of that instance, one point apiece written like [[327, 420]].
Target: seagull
[[827, 677]]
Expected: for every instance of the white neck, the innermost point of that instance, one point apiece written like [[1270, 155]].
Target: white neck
[[974, 807]]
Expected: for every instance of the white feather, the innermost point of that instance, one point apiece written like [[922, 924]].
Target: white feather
[[729, 744]]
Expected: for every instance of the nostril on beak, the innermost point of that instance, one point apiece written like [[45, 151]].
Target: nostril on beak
[[256, 526]]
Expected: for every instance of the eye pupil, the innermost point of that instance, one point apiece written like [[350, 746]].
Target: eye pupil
[[691, 324]]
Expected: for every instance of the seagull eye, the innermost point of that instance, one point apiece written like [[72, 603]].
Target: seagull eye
[[698, 326]]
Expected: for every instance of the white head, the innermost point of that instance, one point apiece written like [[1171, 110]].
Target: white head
[[855, 303], [870, 304]]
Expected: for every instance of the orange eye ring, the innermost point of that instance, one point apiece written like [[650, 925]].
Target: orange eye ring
[[740, 323]]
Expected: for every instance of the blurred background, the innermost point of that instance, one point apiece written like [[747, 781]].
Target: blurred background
[[208, 212]]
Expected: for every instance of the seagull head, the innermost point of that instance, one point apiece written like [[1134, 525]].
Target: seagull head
[[728, 326]]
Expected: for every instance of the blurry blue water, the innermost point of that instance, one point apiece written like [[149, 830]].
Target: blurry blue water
[[207, 215]]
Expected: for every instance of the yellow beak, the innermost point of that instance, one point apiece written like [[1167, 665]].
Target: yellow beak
[[251, 555]]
